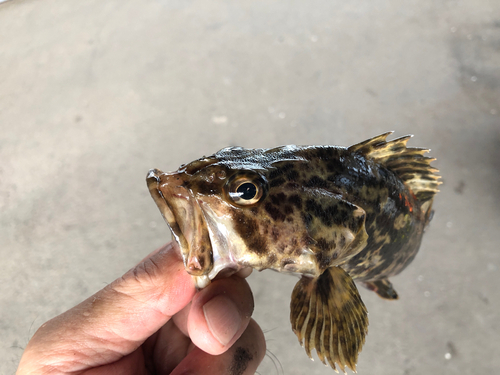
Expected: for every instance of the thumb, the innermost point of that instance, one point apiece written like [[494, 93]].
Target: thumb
[[119, 318]]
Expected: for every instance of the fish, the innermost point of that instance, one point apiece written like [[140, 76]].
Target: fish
[[331, 215]]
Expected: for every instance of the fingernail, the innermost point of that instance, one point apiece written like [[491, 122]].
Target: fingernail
[[223, 318]]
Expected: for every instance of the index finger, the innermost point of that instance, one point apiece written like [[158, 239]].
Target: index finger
[[119, 318]]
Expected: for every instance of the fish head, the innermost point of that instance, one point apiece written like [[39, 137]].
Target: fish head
[[199, 202]]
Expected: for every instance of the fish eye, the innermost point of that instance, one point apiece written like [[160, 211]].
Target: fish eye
[[245, 191]]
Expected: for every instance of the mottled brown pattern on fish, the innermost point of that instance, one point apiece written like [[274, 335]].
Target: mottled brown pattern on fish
[[331, 214]]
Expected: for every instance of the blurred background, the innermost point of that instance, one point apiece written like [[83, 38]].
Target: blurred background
[[95, 93]]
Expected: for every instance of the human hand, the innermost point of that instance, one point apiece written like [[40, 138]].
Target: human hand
[[152, 321]]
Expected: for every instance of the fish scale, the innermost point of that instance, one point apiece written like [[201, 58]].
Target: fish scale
[[329, 214]]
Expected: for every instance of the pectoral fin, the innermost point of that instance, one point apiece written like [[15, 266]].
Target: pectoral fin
[[327, 314], [383, 288]]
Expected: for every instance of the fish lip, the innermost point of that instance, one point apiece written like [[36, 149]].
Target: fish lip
[[153, 180], [179, 208]]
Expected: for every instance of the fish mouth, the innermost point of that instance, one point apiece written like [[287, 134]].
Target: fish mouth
[[185, 219]]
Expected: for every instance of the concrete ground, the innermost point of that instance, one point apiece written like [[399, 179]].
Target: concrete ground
[[95, 93]]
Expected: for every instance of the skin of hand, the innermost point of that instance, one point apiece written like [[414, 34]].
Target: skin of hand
[[152, 320]]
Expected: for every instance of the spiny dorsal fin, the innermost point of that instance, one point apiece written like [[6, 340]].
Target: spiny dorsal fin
[[327, 314], [409, 163]]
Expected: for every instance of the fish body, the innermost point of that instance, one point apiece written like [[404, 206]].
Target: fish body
[[327, 213]]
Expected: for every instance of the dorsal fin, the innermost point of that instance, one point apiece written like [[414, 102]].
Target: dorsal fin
[[409, 164]]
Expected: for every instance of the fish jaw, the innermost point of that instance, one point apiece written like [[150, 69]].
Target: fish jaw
[[227, 247], [185, 219]]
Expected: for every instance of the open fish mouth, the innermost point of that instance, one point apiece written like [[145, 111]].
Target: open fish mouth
[[185, 219]]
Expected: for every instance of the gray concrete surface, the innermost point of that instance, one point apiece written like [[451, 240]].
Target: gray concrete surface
[[95, 93]]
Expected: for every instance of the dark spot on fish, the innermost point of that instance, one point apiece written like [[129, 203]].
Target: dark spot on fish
[[337, 214], [323, 259], [313, 207], [245, 226], [281, 248], [277, 182], [240, 361], [383, 222], [305, 166], [289, 219], [274, 212], [323, 285], [342, 241], [354, 224], [307, 240], [288, 210], [277, 172], [175, 227], [257, 244], [323, 153], [335, 165], [323, 244], [206, 188], [275, 233], [292, 175], [354, 344], [307, 219], [278, 199], [296, 251], [293, 185], [281, 170], [274, 199], [316, 182], [296, 200]]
